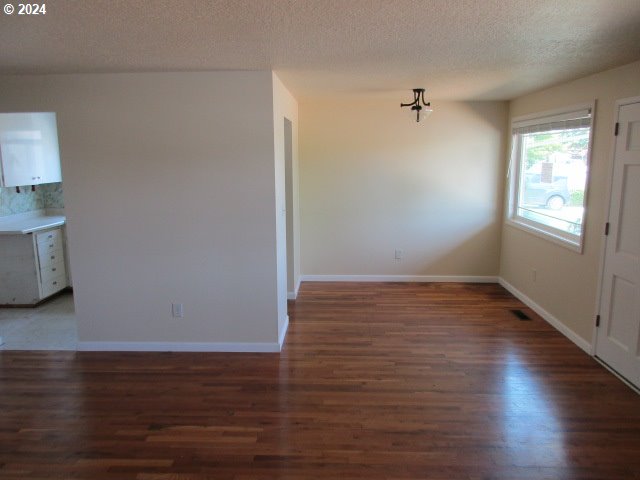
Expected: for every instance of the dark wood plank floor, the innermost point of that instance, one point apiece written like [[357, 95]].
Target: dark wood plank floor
[[376, 381]]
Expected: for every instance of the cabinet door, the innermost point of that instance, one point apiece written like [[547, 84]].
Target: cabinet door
[[29, 151]]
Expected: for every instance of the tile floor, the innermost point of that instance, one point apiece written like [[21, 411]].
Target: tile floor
[[51, 326]]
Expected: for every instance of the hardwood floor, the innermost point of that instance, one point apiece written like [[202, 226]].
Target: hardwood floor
[[377, 381]]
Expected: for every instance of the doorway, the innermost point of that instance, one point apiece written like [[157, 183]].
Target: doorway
[[36, 304], [288, 180]]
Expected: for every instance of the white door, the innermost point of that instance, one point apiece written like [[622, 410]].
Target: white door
[[618, 336]]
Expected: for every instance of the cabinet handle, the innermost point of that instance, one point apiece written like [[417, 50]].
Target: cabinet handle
[[51, 245], [54, 283], [53, 269], [53, 257], [50, 236]]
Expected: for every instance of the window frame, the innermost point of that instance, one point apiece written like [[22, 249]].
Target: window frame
[[560, 237]]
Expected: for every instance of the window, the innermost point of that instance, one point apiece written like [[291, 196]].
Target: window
[[549, 172]]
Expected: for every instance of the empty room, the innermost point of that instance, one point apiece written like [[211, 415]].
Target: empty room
[[342, 239]]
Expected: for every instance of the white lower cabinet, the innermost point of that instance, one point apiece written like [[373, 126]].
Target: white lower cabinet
[[32, 266]]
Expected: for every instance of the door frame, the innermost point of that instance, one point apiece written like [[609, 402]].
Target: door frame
[[603, 247]]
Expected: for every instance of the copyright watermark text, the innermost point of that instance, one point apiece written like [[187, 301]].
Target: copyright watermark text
[[25, 9]]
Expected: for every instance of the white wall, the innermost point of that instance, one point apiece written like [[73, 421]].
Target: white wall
[[566, 281], [372, 180], [285, 106], [170, 197]]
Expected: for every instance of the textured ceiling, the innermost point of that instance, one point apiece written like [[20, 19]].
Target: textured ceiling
[[457, 49]]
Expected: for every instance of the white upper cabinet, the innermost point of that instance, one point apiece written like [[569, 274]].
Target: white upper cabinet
[[29, 153]]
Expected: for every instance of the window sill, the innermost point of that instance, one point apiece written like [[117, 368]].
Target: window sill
[[575, 246]]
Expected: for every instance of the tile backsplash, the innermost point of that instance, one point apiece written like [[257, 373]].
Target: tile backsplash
[[48, 195], [52, 195]]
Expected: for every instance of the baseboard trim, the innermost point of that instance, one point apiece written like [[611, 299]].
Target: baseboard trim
[[283, 333], [400, 278], [178, 347], [549, 318], [293, 295], [636, 389]]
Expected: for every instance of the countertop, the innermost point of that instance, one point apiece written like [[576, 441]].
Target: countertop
[[29, 222]]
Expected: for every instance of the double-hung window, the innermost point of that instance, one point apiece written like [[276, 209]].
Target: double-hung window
[[549, 174]]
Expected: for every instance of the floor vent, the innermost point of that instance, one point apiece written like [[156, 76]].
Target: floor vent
[[520, 314]]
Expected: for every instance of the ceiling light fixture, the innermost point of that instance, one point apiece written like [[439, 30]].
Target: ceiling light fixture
[[418, 96]]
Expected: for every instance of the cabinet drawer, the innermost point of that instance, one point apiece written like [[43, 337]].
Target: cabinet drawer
[[49, 236], [48, 246], [50, 258], [53, 285], [56, 269]]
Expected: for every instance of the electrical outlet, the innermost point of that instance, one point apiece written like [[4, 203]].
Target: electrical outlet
[[176, 310], [398, 254]]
